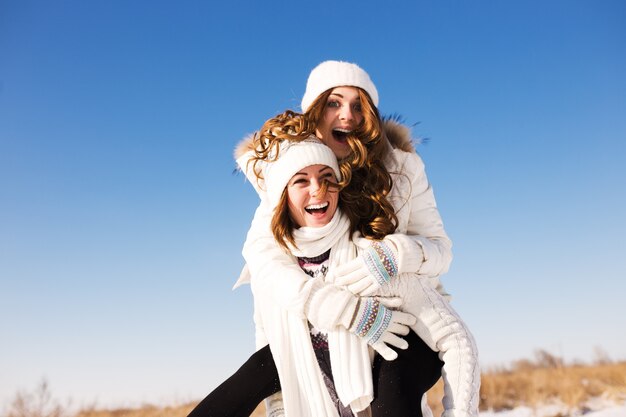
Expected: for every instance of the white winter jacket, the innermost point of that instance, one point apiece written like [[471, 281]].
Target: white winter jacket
[[420, 234], [421, 239]]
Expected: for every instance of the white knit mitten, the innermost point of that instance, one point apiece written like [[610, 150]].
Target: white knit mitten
[[380, 326], [372, 269]]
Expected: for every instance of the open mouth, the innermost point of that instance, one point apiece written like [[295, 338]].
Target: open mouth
[[317, 208], [341, 135]]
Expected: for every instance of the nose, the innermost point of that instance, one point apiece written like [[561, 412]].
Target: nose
[[315, 188], [346, 113]]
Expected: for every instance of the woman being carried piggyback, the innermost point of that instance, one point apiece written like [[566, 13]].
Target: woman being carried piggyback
[[317, 367], [388, 199], [401, 250], [308, 223], [331, 358]]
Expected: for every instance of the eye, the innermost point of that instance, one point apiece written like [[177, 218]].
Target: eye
[[332, 103], [357, 107]]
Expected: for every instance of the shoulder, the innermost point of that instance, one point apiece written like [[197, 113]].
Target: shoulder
[[398, 134], [401, 155]]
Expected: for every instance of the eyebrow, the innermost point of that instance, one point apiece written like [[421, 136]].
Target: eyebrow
[[325, 168], [341, 95]]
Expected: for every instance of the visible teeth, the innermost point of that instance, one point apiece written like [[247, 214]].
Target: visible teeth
[[342, 130], [316, 206]]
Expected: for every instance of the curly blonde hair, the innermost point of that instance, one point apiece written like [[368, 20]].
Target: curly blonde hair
[[365, 182]]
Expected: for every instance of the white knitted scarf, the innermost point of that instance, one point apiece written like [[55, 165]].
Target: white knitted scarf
[[349, 354]]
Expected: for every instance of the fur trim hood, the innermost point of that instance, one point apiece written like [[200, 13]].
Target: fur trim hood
[[398, 135], [244, 146]]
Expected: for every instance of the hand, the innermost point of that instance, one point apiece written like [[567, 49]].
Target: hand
[[380, 326], [375, 267]]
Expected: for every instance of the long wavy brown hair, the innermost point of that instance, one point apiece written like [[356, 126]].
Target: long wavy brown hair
[[365, 182], [282, 223], [368, 183]]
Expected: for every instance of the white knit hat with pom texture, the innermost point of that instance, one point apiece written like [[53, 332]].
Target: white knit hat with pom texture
[[330, 74], [293, 157]]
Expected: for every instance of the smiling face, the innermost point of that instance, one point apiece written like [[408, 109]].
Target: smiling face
[[342, 114], [306, 204]]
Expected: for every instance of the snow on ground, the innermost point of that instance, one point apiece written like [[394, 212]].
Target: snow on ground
[[608, 410]]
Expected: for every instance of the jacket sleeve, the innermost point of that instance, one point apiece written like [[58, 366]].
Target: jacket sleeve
[[275, 274], [425, 247]]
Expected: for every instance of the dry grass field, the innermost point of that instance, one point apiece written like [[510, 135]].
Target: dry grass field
[[544, 380]]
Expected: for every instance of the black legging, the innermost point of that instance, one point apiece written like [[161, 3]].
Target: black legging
[[240, 394], [398, 384]]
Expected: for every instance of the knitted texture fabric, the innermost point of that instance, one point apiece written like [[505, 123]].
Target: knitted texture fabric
[[427, 250], [318, 266], [330, 74], [293, 157], [315, 266], [381, 262], [372, 320]]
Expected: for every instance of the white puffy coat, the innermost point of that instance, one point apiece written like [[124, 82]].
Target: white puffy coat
[[423, 245], [420, 234]]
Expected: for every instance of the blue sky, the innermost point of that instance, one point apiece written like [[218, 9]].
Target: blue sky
[[121, 220]]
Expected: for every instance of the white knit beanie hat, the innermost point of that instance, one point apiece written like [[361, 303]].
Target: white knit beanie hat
[[293, 157], [330, 74]]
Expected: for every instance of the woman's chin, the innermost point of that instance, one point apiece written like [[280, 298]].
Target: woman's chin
[[317, 221], [342, 149]]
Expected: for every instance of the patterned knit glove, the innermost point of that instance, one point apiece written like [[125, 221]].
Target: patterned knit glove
[[380, 326], [375, 267]]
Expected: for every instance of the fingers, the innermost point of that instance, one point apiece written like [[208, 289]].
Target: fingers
[[389, 339], [403, 318], [360, 287], [385, 351], [393, 340], [356, 278], [369, 290], [397, 328], [350, 277], [346, 270], [390, 302]]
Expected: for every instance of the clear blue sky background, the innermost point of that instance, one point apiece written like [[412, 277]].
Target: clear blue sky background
[[121, 221]]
